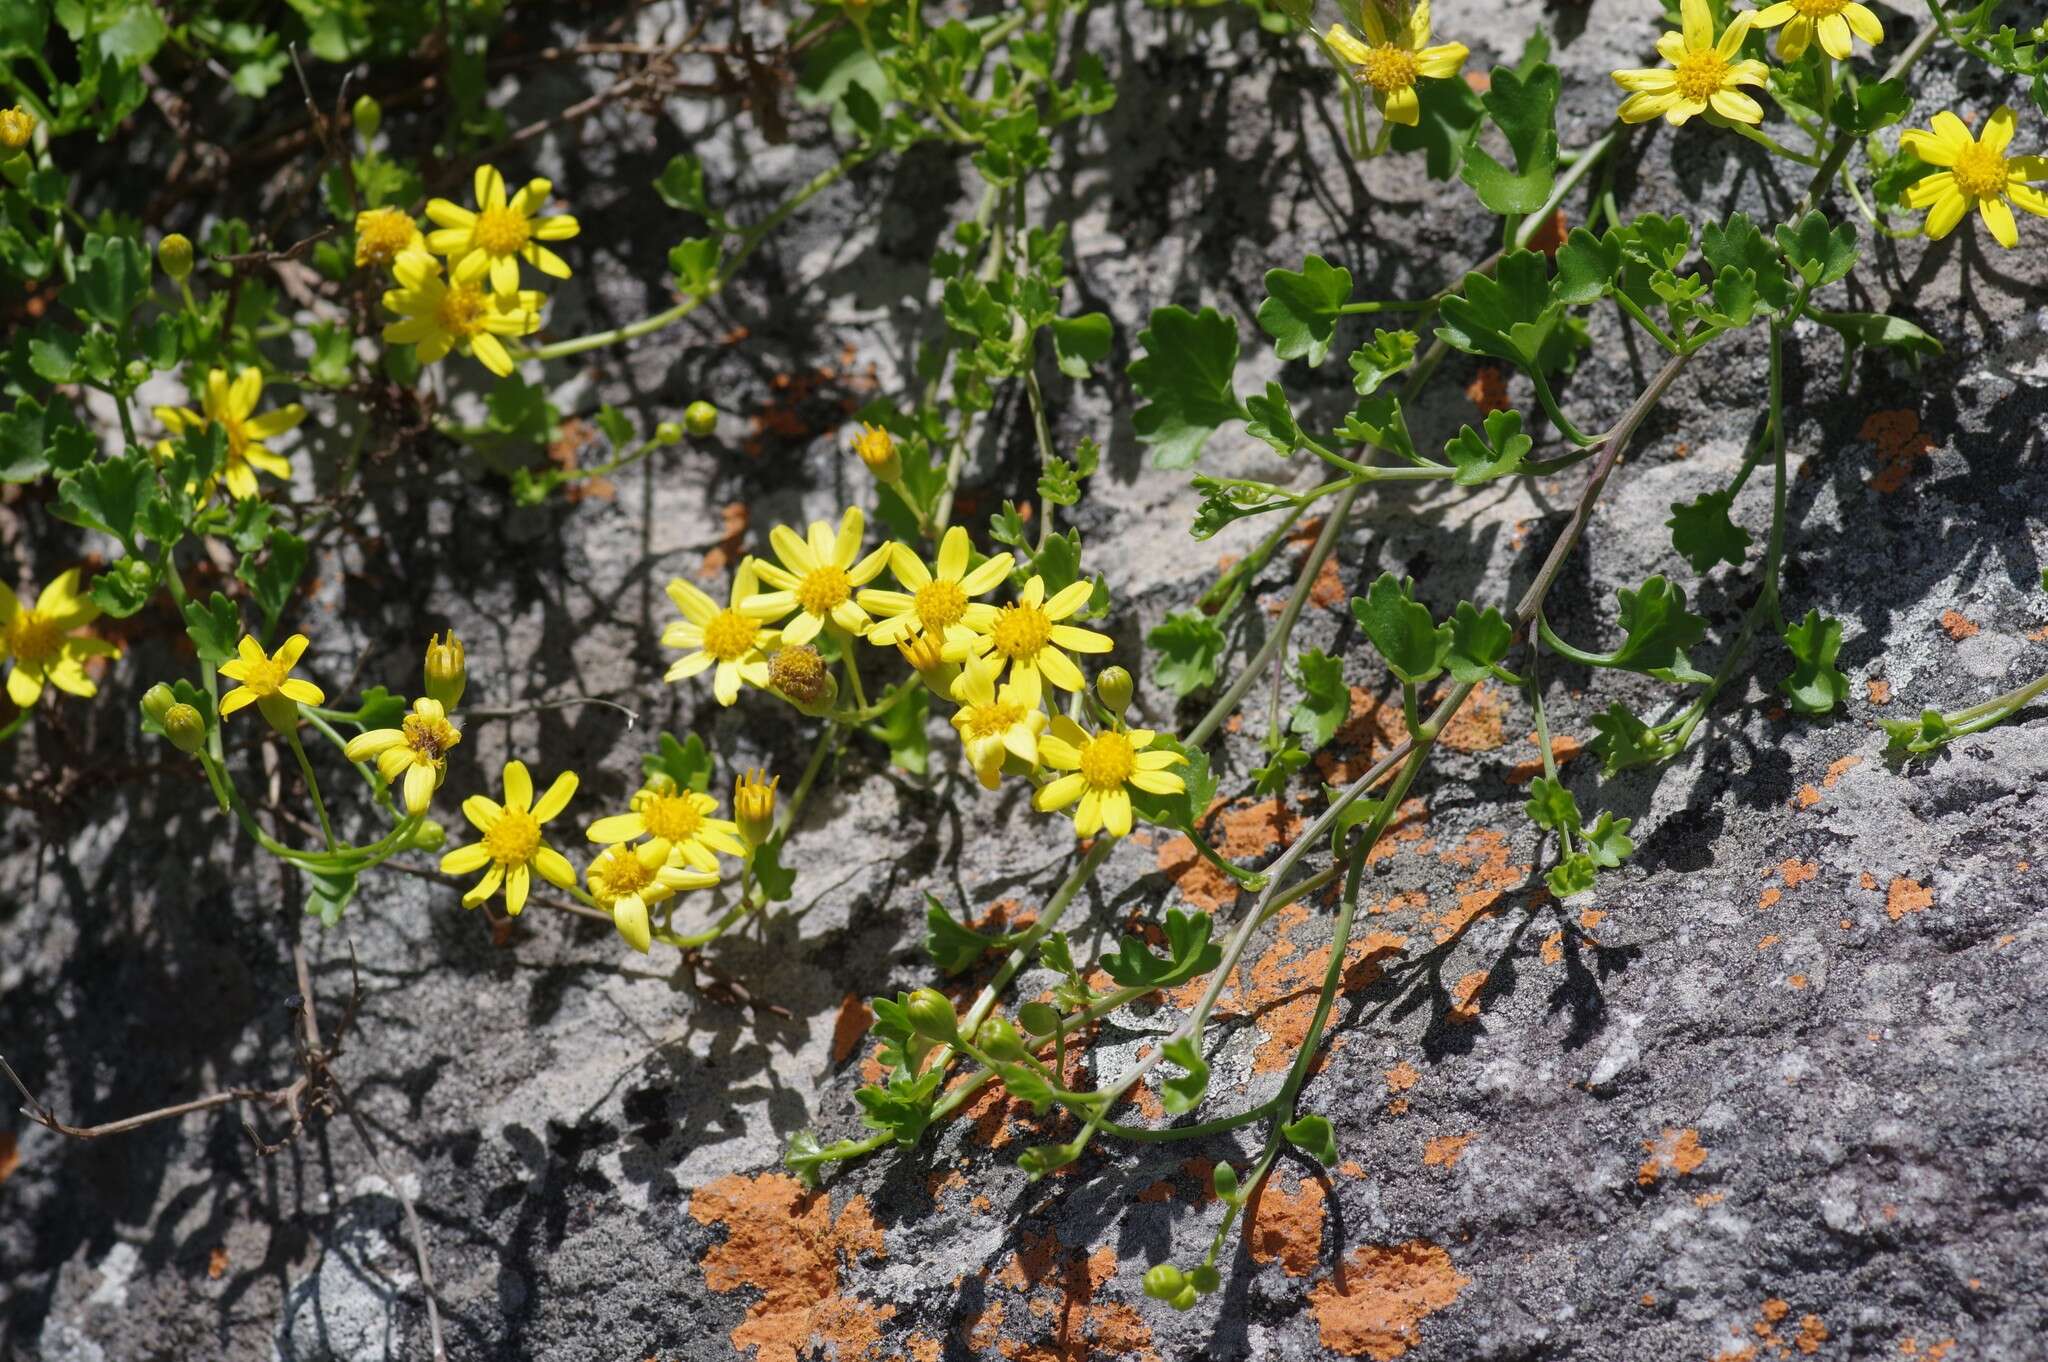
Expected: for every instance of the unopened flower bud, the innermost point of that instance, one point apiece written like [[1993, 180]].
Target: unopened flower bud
[[1040, 1019], [753, 806], [668, 433], [931, 1015], [877, 449], [428, 836], [368, 115], [700, 418], [1115, 686], [999, 1040], [1205, 1278], [157, 701], [799, 675], [185, 729], [1185, 1298], [921, 651], [174, 254], [17, 126], [447, 671], [1164, 1281]]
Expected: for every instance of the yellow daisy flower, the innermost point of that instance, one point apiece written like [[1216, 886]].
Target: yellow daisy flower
[[678, 817], [38, 638], [1974, 170], [627, 880], [994, 723], [1834, 21], [753, 805], [233, 407], [384, 234], [268, 683], [499, 234], [1395, 54], [936, 601], [1029, 636], [1703, 73], [513, 847], [1103, 768], [438, 316], [818, 576], [736, 639], [419, 748]]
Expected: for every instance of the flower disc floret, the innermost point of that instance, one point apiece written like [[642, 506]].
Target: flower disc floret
[[513, 846], [384, 234], [1395, 54], [937, 601], [491, 239], [1974, 171], [41, 642], [1102, 770], [816, 575], [1703, 73], [1834, 22], [735, 639], [1029, 636]]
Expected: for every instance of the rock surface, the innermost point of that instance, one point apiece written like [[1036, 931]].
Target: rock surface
[[1776, 1090]]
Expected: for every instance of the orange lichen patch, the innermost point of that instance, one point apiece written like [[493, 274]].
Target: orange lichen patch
[[1649, 1298], [1812, 1333], [1465, 1006], [1551, 234], [1797, 872], [1203, 1173], [1412, 901], [872, 1070], [1327, 589], [1351, 1168], [1285, 1229], [1494, 871], [726, 552], [1905, 896], [852, 1023], [1445, 1150], [1059, 1285], [785, 1243], [1402, 1077], [1796, 981], [1808, 796], [1408, 827], [1479, 724], [1553, 948], [1199, 882], [1767, 942], [1369, 729], [216, 1263], [1374, 1304], [1676, 1151], [1242, 830], [1769, 898], [564, 451], [1706, 1199], [1900, 444], [1562, 749], [1879, 692], [983, 1327], [1161, 1190], [1591, 919], [2038, 635], [1398, 1107], [1867, 880], [1281, 987], [924, 1348], [10, 1155], [1488, 390], [1956, 626], [942, 1181], [1838, 769]]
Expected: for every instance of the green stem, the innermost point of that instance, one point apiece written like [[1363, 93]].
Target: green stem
[[312, 785], [1770, 143]]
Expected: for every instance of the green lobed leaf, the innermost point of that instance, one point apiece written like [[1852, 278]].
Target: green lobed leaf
[[1403, 631], [1080, 343], [1931, 730], [1509, 315], [214, 626], [273, 575], [1301, 308], [1497, 454], [688, 764], [1659, 629], [1325, 700], [1524, 108], [1312, 1135], [379, 708], [1186, 376], [1279, 769], [1816, 686], [1705, 534], [1379, 359], [1575, 874], [952, 946], [1445, 126], [1478, 643], [1189, 952], [1738, 245], [901, 727], [1587, 267], [1821, 254], [1607, 841], [1183, 809], [1183, 1093], [1625, 741], [1190, 649], [1551, 806], [1270, 418]]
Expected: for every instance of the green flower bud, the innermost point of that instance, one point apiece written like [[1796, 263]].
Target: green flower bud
[[1184, 1299], [138, 571], [931, 1015], [1115, 686], [1164, 1282], [700, 418], [185, 729], [174, 255], [447, 671], [157, 701], [999, 1040], [1040, 1019], [1205, 1278], [753, 806], [428, 836], [877, 449], [668, 433], [136, 371], [369, 116]]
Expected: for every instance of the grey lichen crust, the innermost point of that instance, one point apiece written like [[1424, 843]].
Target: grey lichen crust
[[1775, 1091]]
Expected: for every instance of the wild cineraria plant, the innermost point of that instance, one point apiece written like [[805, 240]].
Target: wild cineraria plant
[[868, 623]]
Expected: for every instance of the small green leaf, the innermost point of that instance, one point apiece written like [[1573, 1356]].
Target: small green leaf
[[1497, 454], [1301, 309], [1509, 316], [777, 882], [1190, 648], [1189, 952], [1386, 354], [681, 186], [1314, 1136], [1080, 343], [1041, 1159], [1224, 1179], [901, 727], [1705, 534], [1625, 741], [1325, 700], [1280, 767], [1405, 634], [328, 893], [214, 628], [1587, 267], [1575, 874], [1272, 420], [1816, 685], [108, 495], [951, 945], [1659, 629], [1186, 376], [685, 763], [274, 575], [1525, 110], [1879, 329], [902, 1107], [1478, 643], [1551, 806], [1227, 501], [1931, 730], [1607, 841], [1820, 254], [379, 708], [1183, 1094], [1738, 245]]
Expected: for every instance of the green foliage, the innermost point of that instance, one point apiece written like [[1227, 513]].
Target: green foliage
[[1413, 645], [1524, 108], [1819, 253], [1060, 484], [952, 946], [1816, 686], [902, 729], [1705, 534], [1479, 643], [686, 763], [1325, 700], [1080, 343], [1186, 376], [1551, 805], [274, 574], [1625, 741], [1281, 764], [1301, 309], [1931, 730], [1189, 952], [1314, 1136], [1183, 1093], [1183, 809], [1386, 354], [1270, 418], [1509, 315], [1497, 454], [1228, 499], [1190, 649]]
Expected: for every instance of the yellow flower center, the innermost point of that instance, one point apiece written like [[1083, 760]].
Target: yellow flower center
[[500, 231], [729, 635], [1107, 761], [1700, 72], [1980, 172], [384, 234], [1020, 631], [673, 818], [238, 436], [1818, 9], [823, 588], [34, 638], [513, 839], [1388, 68], [874, 445], [267, 677], [16, 127], [940, 603], [429, 737], [618, 873], [800, 674], [462, 310], [994, 719]]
